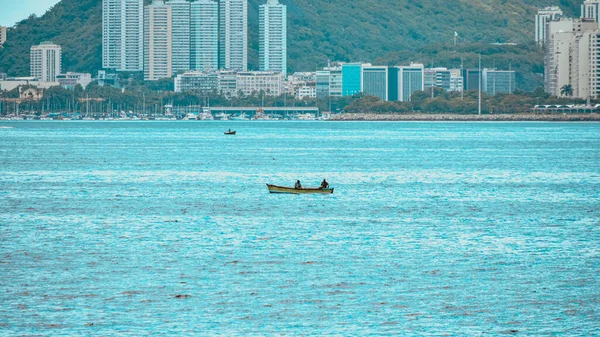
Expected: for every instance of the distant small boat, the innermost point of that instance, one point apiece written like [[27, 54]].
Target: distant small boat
[[291, 190], [241, 117], [232, 133], [221, 116], [260, 115]]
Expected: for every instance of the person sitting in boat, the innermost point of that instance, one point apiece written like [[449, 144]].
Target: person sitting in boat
[[298, 185], [324, 184]]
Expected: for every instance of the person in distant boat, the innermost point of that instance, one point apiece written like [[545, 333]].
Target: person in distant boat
[[298, 185], [324, 184], [229, 131]]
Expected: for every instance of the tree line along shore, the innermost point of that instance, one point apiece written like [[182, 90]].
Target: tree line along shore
[[416, 117]]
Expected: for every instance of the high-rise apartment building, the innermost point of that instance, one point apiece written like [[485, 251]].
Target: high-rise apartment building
[[541, 21], [273, 37], [572, 57], [233, 35], [123, 35], [590, 10], [2, 35], [158, 41], [204, 33], [45, 61], [180, 29]]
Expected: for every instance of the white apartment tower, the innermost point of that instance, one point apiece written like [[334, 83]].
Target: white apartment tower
[[541, 22], [123, 35], [157, 41], [233, 35], [590, 10], [180, 35], [572, 57], [45, 61], [273, 37], [204, 26]]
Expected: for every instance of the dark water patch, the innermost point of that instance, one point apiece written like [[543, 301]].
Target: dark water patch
[[182, 296]]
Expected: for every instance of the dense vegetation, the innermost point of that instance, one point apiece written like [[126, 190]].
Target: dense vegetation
[[390, 31], [446, 102]]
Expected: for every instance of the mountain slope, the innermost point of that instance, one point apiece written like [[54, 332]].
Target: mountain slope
[[319, 30], [74, 24]]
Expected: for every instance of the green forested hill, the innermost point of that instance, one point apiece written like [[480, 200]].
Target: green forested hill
[[386, 31]]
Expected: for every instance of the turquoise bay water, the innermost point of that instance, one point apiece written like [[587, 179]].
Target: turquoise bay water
[[139, 228]]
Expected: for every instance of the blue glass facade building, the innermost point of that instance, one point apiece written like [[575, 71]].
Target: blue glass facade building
[[351, 79]]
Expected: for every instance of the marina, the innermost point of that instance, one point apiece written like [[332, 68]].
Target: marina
[[203, 114]]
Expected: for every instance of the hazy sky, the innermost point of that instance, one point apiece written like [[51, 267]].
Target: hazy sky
[[16, 10]]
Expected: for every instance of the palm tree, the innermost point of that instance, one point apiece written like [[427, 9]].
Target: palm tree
[[566, 90]]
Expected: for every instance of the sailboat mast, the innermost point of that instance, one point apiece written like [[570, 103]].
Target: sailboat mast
[[480, 75]]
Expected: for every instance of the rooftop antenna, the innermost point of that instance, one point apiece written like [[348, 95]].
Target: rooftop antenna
[[434, 79], [462, 91], [510, 84]]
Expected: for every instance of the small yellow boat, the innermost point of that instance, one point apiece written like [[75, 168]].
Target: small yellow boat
[[291, 190]]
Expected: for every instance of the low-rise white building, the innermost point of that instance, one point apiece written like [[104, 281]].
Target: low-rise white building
[[228, 83], [70, 80], [303, 77], [444, 78], [305, 91], [256, 82], [15, 82], [302, 85], [198, 82], [231, 83]]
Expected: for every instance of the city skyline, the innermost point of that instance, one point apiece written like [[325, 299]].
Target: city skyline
[[233, 21], [73, 61]]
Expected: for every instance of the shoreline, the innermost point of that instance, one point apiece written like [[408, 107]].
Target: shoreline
[[526, 117]]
